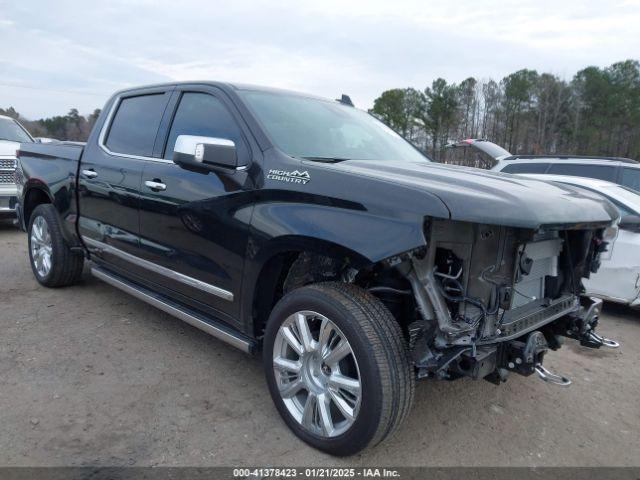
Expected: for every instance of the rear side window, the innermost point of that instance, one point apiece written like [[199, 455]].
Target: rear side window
[[204, 115], [631, 178], [526, 168], [601, 172], [135, 125]]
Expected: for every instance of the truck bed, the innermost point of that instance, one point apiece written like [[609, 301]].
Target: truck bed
[[56, 151], [51, 170]]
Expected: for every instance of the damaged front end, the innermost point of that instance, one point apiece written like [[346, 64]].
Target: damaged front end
[[488, 300]]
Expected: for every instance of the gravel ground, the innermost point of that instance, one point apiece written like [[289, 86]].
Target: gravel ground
[[92, 376]]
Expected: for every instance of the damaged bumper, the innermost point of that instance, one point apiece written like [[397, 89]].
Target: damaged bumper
[[495, 300], [524, 355]]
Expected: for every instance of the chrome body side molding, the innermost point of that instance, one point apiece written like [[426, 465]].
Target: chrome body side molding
[[147, 265], [167, 307]]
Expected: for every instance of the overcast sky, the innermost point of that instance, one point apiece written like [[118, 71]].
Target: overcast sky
[[63, 54]]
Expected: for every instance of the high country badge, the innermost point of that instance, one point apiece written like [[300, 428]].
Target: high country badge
[[292, 177]]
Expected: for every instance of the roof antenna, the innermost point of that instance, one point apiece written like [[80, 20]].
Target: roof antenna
[[345, 100]]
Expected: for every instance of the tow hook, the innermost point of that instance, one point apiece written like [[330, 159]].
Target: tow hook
[[584, 325], [594, 338], [526, 358], [551, 377]]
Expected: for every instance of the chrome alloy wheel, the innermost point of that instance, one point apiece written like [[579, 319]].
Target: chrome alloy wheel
[[41, 246], [317, 374]]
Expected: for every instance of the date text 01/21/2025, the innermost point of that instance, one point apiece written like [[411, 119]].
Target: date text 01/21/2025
[[316, 472]]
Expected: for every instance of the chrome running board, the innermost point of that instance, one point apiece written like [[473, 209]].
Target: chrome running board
[[192, 318]]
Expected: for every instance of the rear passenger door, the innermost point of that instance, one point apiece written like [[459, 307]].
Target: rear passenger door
[[111, 173], [195, 226]]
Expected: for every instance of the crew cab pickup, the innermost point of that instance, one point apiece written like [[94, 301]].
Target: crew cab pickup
[[305, 229]]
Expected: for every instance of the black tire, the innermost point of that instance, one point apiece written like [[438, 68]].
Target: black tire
[[66, 265], [387, 379]]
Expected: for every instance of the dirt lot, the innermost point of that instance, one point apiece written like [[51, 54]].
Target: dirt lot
[[91, 376]]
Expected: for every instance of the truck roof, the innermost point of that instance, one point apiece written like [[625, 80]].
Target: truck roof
[[224, 86]]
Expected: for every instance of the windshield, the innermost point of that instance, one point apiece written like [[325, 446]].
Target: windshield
[[624, 195], [10, 130], [321, 129]]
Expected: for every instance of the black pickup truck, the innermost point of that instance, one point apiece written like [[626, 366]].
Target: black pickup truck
[[306, 229]]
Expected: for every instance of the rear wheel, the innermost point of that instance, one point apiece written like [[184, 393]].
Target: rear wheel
[[337, 367], [53, 263]]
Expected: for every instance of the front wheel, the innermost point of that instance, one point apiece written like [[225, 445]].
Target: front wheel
[[337, 367]]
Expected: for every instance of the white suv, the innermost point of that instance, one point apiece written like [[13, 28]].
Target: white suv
[[622, 171]]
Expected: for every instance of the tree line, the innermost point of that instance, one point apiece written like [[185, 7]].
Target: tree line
[[597, 112], [71, 126]]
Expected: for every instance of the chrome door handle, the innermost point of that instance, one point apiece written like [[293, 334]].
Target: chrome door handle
[[155, 185], [90, 173]]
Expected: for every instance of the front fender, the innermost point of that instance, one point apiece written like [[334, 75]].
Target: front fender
[[373, 237], [349, 231]]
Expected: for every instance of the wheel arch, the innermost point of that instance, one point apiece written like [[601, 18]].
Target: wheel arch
[[267, 271], [34, 195]]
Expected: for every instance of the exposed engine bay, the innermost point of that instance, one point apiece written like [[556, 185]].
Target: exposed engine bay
[[485, 300]]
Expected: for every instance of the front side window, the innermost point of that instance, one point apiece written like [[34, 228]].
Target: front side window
[[631, 178], [135, 125], [601, 172], [306, 127], [11, 131], [204, 115], [526, 168]]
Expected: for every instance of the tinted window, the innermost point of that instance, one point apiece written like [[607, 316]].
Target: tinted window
[[601, 172], [631, 178], [134, 127], [205, 115], [526, 168]]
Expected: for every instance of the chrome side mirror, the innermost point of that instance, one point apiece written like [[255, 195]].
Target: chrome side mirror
[[205, 152]]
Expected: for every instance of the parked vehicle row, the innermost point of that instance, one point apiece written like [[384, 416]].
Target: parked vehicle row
[[306, 229]]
